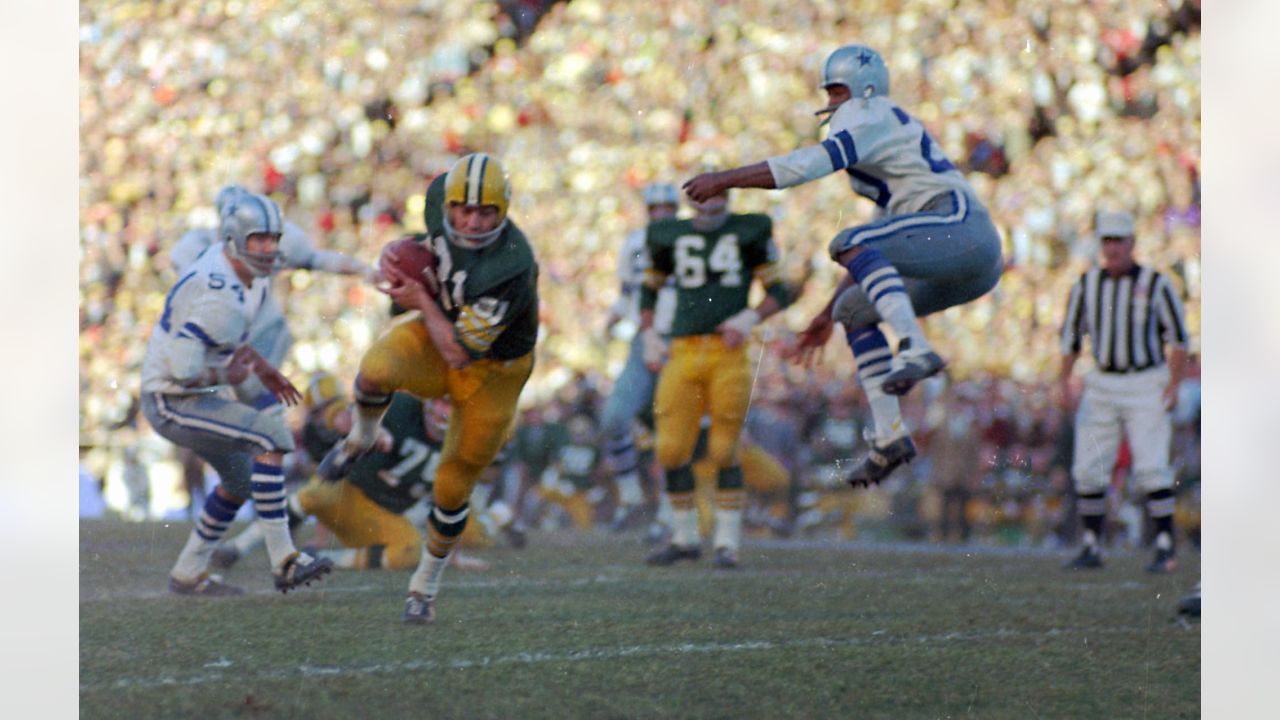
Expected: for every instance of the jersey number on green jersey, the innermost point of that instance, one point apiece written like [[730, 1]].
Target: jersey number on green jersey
[[414, 452], [725, 259]]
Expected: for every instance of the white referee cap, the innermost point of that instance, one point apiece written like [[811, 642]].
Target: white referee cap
[[1113, 224]]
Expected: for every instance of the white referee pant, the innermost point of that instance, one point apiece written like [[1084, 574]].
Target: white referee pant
[[1131, 404]]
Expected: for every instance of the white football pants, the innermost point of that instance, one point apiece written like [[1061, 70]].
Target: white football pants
[[1131, 404]]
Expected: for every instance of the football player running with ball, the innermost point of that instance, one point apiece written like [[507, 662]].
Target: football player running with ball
[[932, 247], [469, 334], [713, 257]]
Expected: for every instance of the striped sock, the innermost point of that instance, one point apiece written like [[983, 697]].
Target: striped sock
[[269, 501], [880, 280], [873, 357], [730, 498], [623, 457], [212, 524]]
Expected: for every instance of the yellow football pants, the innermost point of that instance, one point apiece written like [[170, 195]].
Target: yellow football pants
[[701, 377], [484, 396], [574, 503], [359, 522]]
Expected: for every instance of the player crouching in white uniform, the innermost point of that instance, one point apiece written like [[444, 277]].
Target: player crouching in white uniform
[[196, 351]]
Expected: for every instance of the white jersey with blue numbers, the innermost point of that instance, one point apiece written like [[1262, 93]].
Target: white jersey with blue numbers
[[206, 317], [887, 154], [297, 252], [632, 261]]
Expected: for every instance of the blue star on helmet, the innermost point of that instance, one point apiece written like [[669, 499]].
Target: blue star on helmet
[[863, 58]]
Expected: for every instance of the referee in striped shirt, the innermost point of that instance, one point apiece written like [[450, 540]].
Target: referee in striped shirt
[[1131, 314]]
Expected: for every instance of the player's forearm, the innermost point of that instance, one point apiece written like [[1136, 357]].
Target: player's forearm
[[1177, 365], [646, 319], [442, 335], [1065, 367], [768, 307], [332, 261], [757, 175]]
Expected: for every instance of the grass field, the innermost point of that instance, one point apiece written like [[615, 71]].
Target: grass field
[[577, 626]]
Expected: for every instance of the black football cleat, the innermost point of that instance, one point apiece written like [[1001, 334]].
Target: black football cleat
[[418, 609], [673, 553], [910, 367], [725, 559], [1163, 562], [1088, 559], [300, 568], [880, 462]]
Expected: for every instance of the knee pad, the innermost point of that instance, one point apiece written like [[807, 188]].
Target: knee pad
[[368, 398], [840, 243], [449, 523], [853, 309]]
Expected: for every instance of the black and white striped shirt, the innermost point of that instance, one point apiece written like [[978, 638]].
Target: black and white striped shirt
[[1129, 318]]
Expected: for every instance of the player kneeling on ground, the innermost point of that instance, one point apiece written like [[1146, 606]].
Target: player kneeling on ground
[[372, 509]]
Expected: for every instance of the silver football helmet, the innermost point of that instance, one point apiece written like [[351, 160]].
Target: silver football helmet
[[858, 68], [247, 214], [226, 195], [661, 194]]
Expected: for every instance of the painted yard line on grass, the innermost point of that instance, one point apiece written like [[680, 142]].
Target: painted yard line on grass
[[634, 575], [920, 548], [592, 654]]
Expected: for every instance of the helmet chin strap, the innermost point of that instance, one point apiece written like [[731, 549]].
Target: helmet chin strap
[[473, 242]]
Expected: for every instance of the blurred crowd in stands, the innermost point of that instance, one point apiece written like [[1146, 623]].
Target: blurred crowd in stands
[[343, 111]]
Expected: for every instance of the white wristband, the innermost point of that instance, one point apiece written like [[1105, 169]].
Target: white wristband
[[743, 321]]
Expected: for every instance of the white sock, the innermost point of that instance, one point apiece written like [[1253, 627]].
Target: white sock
[[279, 543], [248, 540], [426, 578], [728, 529], [684, 527], [1164, 541], [501, 514], [896, 310], [666, 515], [1090, 539], [886, 414], [364, 432], [194, 558], [629, 489]]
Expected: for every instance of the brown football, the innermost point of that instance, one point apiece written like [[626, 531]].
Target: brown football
[[413, 258]]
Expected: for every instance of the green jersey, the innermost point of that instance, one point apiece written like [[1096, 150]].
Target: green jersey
[[491, 293], [394, 480], [712, 269]]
